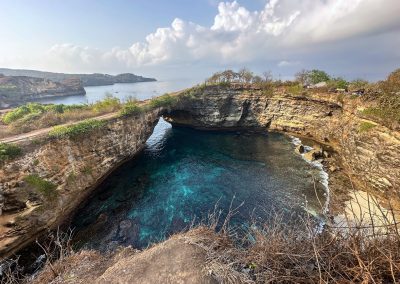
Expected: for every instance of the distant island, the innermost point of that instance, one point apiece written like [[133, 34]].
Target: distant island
[[20, 86], [95, 79]]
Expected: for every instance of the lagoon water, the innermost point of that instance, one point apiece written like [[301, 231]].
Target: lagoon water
[[183, 175]]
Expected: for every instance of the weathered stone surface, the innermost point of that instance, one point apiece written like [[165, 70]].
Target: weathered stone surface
[[372, 158], [300, 149], [74, 165]]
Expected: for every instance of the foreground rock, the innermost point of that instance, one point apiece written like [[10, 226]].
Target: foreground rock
[[177, 260]]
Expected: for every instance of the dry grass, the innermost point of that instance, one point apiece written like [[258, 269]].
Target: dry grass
[[48, 116], [278, 251], [302, 252]]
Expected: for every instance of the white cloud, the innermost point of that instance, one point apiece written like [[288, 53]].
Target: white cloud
[[285, 63], [282, 29]]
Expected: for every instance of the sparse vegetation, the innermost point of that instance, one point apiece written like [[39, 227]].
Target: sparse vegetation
[[163, 101], [87, 170], [9, 151], [36, 116], [47, 188], [108, 104], [76, 129], [387, 115], [315, 76], [365, 126], [358, 84], [296, 90], [385, 96], [33, 110], [338, 83], [131, 108]]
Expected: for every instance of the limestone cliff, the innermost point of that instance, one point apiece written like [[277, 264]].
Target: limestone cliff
[[372, 156], [62, 173], [15, 90]]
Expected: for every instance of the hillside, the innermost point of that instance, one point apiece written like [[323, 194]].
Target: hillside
[[95, 79], [15, 90]]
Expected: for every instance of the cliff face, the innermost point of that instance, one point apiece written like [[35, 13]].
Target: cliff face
[[19, 89], [64, 171], [45, 185], [372, 156]]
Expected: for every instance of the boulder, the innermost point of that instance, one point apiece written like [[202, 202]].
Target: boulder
[[300, 149]]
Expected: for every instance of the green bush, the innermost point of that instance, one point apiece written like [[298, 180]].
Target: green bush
[[365, 126], [15, 114], [47, 188], [163, 101], [317, 76], [9, 151], [76, 129], [130, 108], [31, 111], [109, 103], [338, 83]]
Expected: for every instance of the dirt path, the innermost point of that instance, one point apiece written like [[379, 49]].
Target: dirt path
[[31, 135]]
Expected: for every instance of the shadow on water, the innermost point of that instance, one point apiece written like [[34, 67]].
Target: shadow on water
[[181, 175]]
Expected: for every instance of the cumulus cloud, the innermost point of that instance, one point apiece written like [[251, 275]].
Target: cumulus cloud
[[282, 30], [285, 63]]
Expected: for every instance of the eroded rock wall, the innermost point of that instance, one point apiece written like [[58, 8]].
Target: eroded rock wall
[[372, 157], [74, 165]]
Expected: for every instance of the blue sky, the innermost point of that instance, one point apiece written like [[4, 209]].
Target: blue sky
[[178, 38]]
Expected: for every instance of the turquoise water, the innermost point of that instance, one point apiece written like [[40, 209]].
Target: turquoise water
[[183, 175]]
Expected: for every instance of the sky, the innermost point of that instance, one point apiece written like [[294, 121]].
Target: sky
[[178, 39]]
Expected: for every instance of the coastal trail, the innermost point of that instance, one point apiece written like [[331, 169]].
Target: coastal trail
[[31, 135], [40, 132]]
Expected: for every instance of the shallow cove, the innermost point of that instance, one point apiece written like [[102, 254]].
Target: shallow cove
[[182, 175]]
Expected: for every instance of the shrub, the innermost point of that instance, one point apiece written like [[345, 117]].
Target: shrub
[[365, 126], [87, 170], [130, 108], [392, 83], [9, 151], [76, 129], [32, 111], [358, 84], [108, 104], [15, 114], [47, 188], [295, 90], [317, 76], [385, 114], [163, 101], [338, 83]]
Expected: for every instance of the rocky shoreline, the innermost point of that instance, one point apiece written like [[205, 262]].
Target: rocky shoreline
[[17, 90]]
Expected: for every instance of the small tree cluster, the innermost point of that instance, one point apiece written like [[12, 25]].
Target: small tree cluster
[[243, 76], [315, 76]]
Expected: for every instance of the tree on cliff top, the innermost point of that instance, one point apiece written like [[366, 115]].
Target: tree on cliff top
[[315, 76], [392, 83]]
